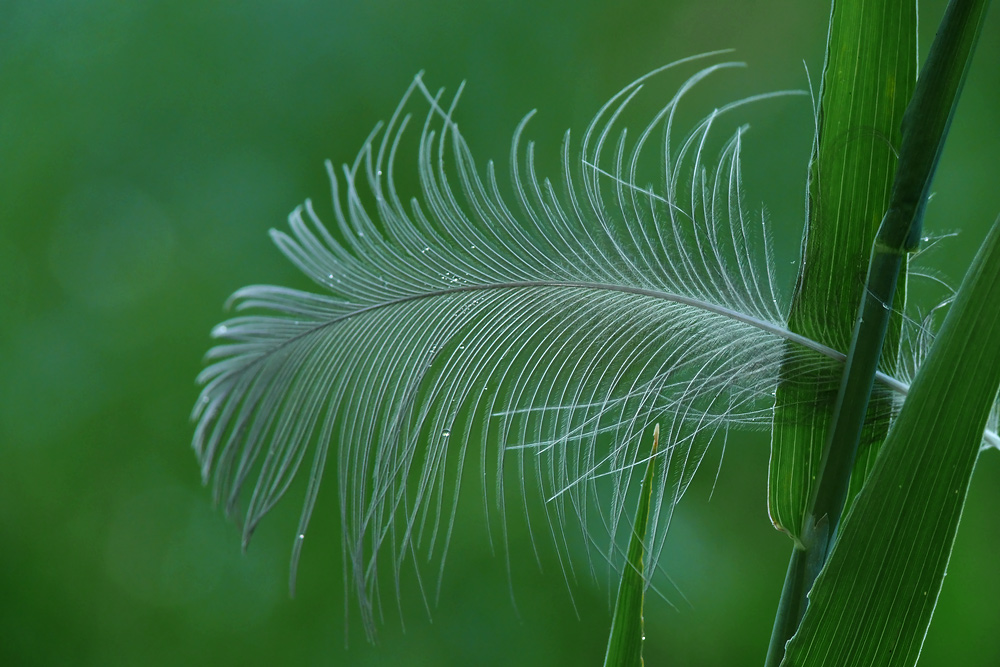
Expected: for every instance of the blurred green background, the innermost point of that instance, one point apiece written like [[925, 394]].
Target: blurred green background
[[145, 149]]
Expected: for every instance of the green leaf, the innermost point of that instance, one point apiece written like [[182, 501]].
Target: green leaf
[[627, 633], [873, 602], [867, 82], [924, 129]]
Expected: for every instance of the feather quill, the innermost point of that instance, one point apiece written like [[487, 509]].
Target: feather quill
[[458, 336]]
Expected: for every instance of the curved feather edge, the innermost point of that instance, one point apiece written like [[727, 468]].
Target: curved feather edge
[[537, 340]]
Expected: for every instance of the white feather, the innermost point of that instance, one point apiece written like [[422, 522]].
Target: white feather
[[459, 328]]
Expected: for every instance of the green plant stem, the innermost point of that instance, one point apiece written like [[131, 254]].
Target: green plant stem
[[925, 126], [791, 608], [852, 399]]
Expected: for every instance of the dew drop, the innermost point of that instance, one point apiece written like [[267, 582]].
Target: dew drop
[[445, 433]]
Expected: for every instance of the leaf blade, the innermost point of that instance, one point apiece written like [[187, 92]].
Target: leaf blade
[[627, 631], [868, 80], [873, 602]]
